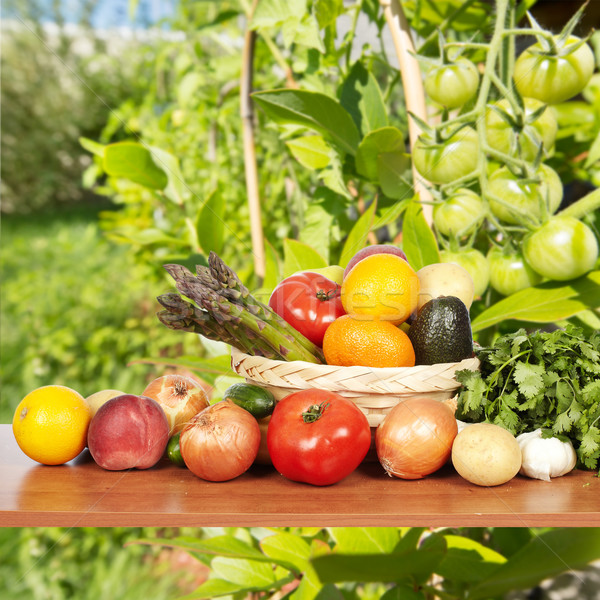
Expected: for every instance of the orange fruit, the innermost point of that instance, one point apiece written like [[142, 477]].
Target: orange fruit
[[51, 424], [382, 286], [349, 342]]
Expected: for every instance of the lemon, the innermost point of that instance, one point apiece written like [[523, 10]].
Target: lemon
[[50, 424]]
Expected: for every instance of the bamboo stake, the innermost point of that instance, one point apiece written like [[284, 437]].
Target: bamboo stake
[[413, 87], [247, 115]]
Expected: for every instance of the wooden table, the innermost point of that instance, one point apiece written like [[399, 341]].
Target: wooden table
[[82, 494]]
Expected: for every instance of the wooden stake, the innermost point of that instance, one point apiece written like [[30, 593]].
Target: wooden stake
[[247, 114], [413, 87]]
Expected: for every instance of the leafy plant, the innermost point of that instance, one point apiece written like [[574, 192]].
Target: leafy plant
[[83, 322], [383, 562], [335, 127]]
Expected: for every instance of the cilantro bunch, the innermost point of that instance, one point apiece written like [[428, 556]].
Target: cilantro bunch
[[548, 380]]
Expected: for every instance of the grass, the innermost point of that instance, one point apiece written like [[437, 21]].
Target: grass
[[76, 310], [89, 564]]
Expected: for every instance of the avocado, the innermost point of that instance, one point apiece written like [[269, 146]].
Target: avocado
[[441, 332]]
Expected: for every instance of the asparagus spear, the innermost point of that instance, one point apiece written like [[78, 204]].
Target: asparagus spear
[[234, 289], [184, 316], [224, 309]]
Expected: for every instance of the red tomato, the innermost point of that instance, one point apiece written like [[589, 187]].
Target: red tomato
[[317, 437], [309, 302]]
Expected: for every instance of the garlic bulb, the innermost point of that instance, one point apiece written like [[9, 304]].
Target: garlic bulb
[[544, 458]]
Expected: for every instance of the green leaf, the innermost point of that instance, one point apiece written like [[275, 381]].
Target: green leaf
[[418, 240], [222, 546], [176, 190], [273, 267], [358, 235], [402, 592], [546, 555], [92, 146], [287, 548], [362, 98], [304, 32], [467, 560], [363, 540], [385, 568], [327, 11], [299, 257], [544, 303], [210, 224], [133, 161], [314, 110], [213, 588], [311, 151], [333, 177], [274, 13], [317, 228], [251, 574], [388, 140], [395, 176]]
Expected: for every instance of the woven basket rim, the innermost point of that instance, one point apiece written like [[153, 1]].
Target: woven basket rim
[[237, 356]]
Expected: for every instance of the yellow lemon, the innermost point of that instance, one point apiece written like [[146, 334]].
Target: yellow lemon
[[51, 423]]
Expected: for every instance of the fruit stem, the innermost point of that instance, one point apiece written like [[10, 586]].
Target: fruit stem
[[314, 412]]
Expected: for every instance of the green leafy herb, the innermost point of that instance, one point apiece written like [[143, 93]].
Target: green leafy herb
[[548, 380]]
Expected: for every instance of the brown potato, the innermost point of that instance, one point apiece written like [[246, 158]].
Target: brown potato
[[486, 454]]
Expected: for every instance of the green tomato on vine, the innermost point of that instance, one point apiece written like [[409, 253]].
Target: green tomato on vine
[[460, 214], [452, 84], [554, 74], [510, 272], [505, 133], [514, 199], [563, 248], [447, 160]]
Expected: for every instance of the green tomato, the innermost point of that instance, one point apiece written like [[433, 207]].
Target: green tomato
[[447, 161], [521, 200], [460, 214], [554, 78], [472, 261], [454, 84], [563, 248], [509, 272], [502, 137]]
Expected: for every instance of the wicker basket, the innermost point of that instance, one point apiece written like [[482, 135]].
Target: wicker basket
[[374, 390]]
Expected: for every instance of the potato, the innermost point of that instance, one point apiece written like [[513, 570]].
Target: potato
[[445, 279], [486, 454]]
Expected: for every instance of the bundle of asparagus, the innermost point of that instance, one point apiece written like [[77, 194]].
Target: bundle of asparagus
[[215, 303]]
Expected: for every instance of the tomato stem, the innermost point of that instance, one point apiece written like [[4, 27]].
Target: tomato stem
[[314, 412], [323, 296]]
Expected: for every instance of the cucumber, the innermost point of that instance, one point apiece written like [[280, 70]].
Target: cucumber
[[258, 401]]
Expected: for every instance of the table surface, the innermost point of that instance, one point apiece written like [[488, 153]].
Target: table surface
[[80, 493]]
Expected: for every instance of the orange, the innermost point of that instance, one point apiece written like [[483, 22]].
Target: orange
[[51, 423], [381, 286], [349, 342]]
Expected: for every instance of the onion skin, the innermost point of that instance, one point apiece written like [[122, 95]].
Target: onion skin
[[415, 438], [181, 398], [221, 442]]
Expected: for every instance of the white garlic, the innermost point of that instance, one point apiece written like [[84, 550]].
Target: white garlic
[[544, 458]]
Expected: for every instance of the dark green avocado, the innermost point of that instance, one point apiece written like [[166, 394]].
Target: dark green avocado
[[441, 333]]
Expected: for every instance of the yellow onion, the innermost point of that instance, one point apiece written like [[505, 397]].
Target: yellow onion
[[221, 442], [181, 398], [415, 438]]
